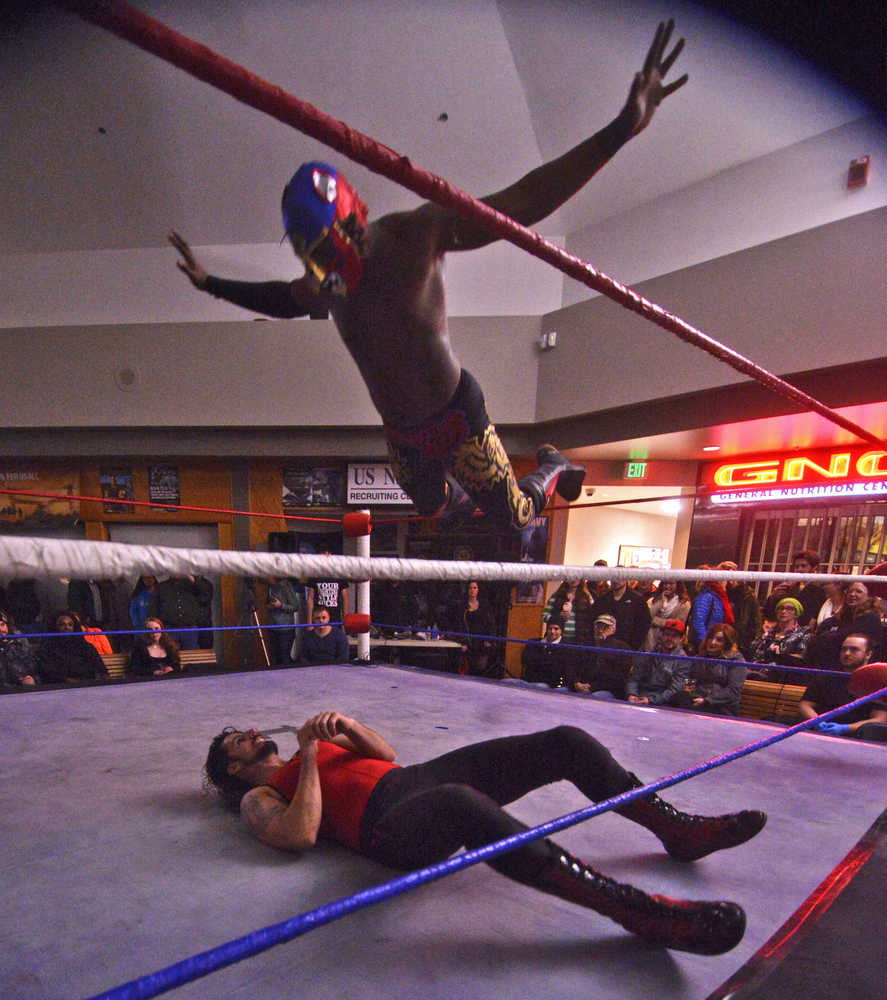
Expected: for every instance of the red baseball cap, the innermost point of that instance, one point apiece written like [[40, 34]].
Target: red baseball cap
[[674, 623]]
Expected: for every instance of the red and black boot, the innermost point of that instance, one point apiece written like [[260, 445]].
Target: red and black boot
[[554, 473], [686, 837], [699, 927], [458, 507]]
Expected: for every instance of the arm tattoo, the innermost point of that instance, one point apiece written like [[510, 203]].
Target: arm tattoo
[[259, 811]]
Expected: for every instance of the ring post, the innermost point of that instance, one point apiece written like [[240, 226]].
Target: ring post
[[363, 586]]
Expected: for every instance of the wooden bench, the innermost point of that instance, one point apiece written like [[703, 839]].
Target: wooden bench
[[118, 662], [768, 700]]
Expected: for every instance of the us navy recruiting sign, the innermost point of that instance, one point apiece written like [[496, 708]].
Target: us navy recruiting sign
[[373, 484]]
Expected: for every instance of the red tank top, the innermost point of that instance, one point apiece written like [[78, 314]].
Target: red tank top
[[346, 783]]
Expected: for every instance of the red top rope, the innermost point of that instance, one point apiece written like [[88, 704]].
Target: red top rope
[[201, 62]]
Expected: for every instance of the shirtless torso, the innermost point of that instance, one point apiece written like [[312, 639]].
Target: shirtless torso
[[390, 310], [395, 324]]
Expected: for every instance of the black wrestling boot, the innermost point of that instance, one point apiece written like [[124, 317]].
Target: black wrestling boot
[[699, 927], [554, 473], [458, 506], [686, 837]]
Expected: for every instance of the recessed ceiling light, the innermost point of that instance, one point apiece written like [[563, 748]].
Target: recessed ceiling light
[[712, 447]]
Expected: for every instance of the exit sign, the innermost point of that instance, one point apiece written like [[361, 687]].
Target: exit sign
[[635, 470]]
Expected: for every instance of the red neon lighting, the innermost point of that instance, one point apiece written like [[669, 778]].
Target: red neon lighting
[[844, 465]]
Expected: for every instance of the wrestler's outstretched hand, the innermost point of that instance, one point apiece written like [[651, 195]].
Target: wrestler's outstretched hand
[[188, 264], [647, 89]]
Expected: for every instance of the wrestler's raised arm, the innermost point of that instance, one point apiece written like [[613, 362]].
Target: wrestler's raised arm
[[280, 299], [293, 825], [540, 192]]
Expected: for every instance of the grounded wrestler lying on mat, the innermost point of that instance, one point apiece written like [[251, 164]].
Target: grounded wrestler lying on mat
[[343, 784]]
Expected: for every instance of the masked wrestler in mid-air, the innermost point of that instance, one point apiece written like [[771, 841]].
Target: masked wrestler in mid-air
[[383, 284]]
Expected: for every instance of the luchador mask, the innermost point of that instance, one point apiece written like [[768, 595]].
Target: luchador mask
[[325, 220]]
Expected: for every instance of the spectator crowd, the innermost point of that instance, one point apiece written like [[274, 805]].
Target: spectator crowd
[[694, 647], [664, 645]]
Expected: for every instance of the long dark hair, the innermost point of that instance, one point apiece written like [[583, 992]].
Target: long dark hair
[[582, 599], [167, 642], [231, 789]]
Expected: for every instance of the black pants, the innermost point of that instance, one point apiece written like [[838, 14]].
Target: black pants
[[422, 814], [460, 441]]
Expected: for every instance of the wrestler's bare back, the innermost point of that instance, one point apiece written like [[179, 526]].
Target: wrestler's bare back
[[395, 324]]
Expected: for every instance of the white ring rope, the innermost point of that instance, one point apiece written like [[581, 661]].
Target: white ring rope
[[53, 558]]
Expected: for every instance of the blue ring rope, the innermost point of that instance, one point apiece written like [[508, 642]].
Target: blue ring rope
[[168, 630], [686, 658], [261, 940]]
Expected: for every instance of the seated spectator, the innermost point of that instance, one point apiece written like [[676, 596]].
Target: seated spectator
[[154, 654], [826, 692], [478, 652], [179, 601], [783, 641], [94, 636], [323, 643], [711, 606], [18, 667], [746, 610], [659, 680], [630, 611], [669, 602], [717, 687], [811, 595], [284, 605], [859, 613], [66, 656], [551, 661], [600, 673], [571, 602]]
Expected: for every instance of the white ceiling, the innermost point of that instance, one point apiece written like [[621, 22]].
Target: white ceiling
[[106, 147]]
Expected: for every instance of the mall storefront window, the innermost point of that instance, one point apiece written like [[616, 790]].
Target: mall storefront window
[[761, 510]]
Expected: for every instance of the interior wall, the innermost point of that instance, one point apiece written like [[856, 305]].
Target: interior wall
[[598, 533], [227, 375], [764, 199], [811, 300]]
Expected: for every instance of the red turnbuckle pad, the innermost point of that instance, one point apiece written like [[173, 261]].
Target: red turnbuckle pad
[[868, 679], [356, 523], [357, 624]]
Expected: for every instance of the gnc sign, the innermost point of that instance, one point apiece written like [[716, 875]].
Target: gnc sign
[[848, 472]]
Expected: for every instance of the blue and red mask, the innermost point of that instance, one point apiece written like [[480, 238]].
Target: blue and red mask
[[325, 220]]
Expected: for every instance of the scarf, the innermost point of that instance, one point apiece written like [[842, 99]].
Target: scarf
[[721, 592]]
